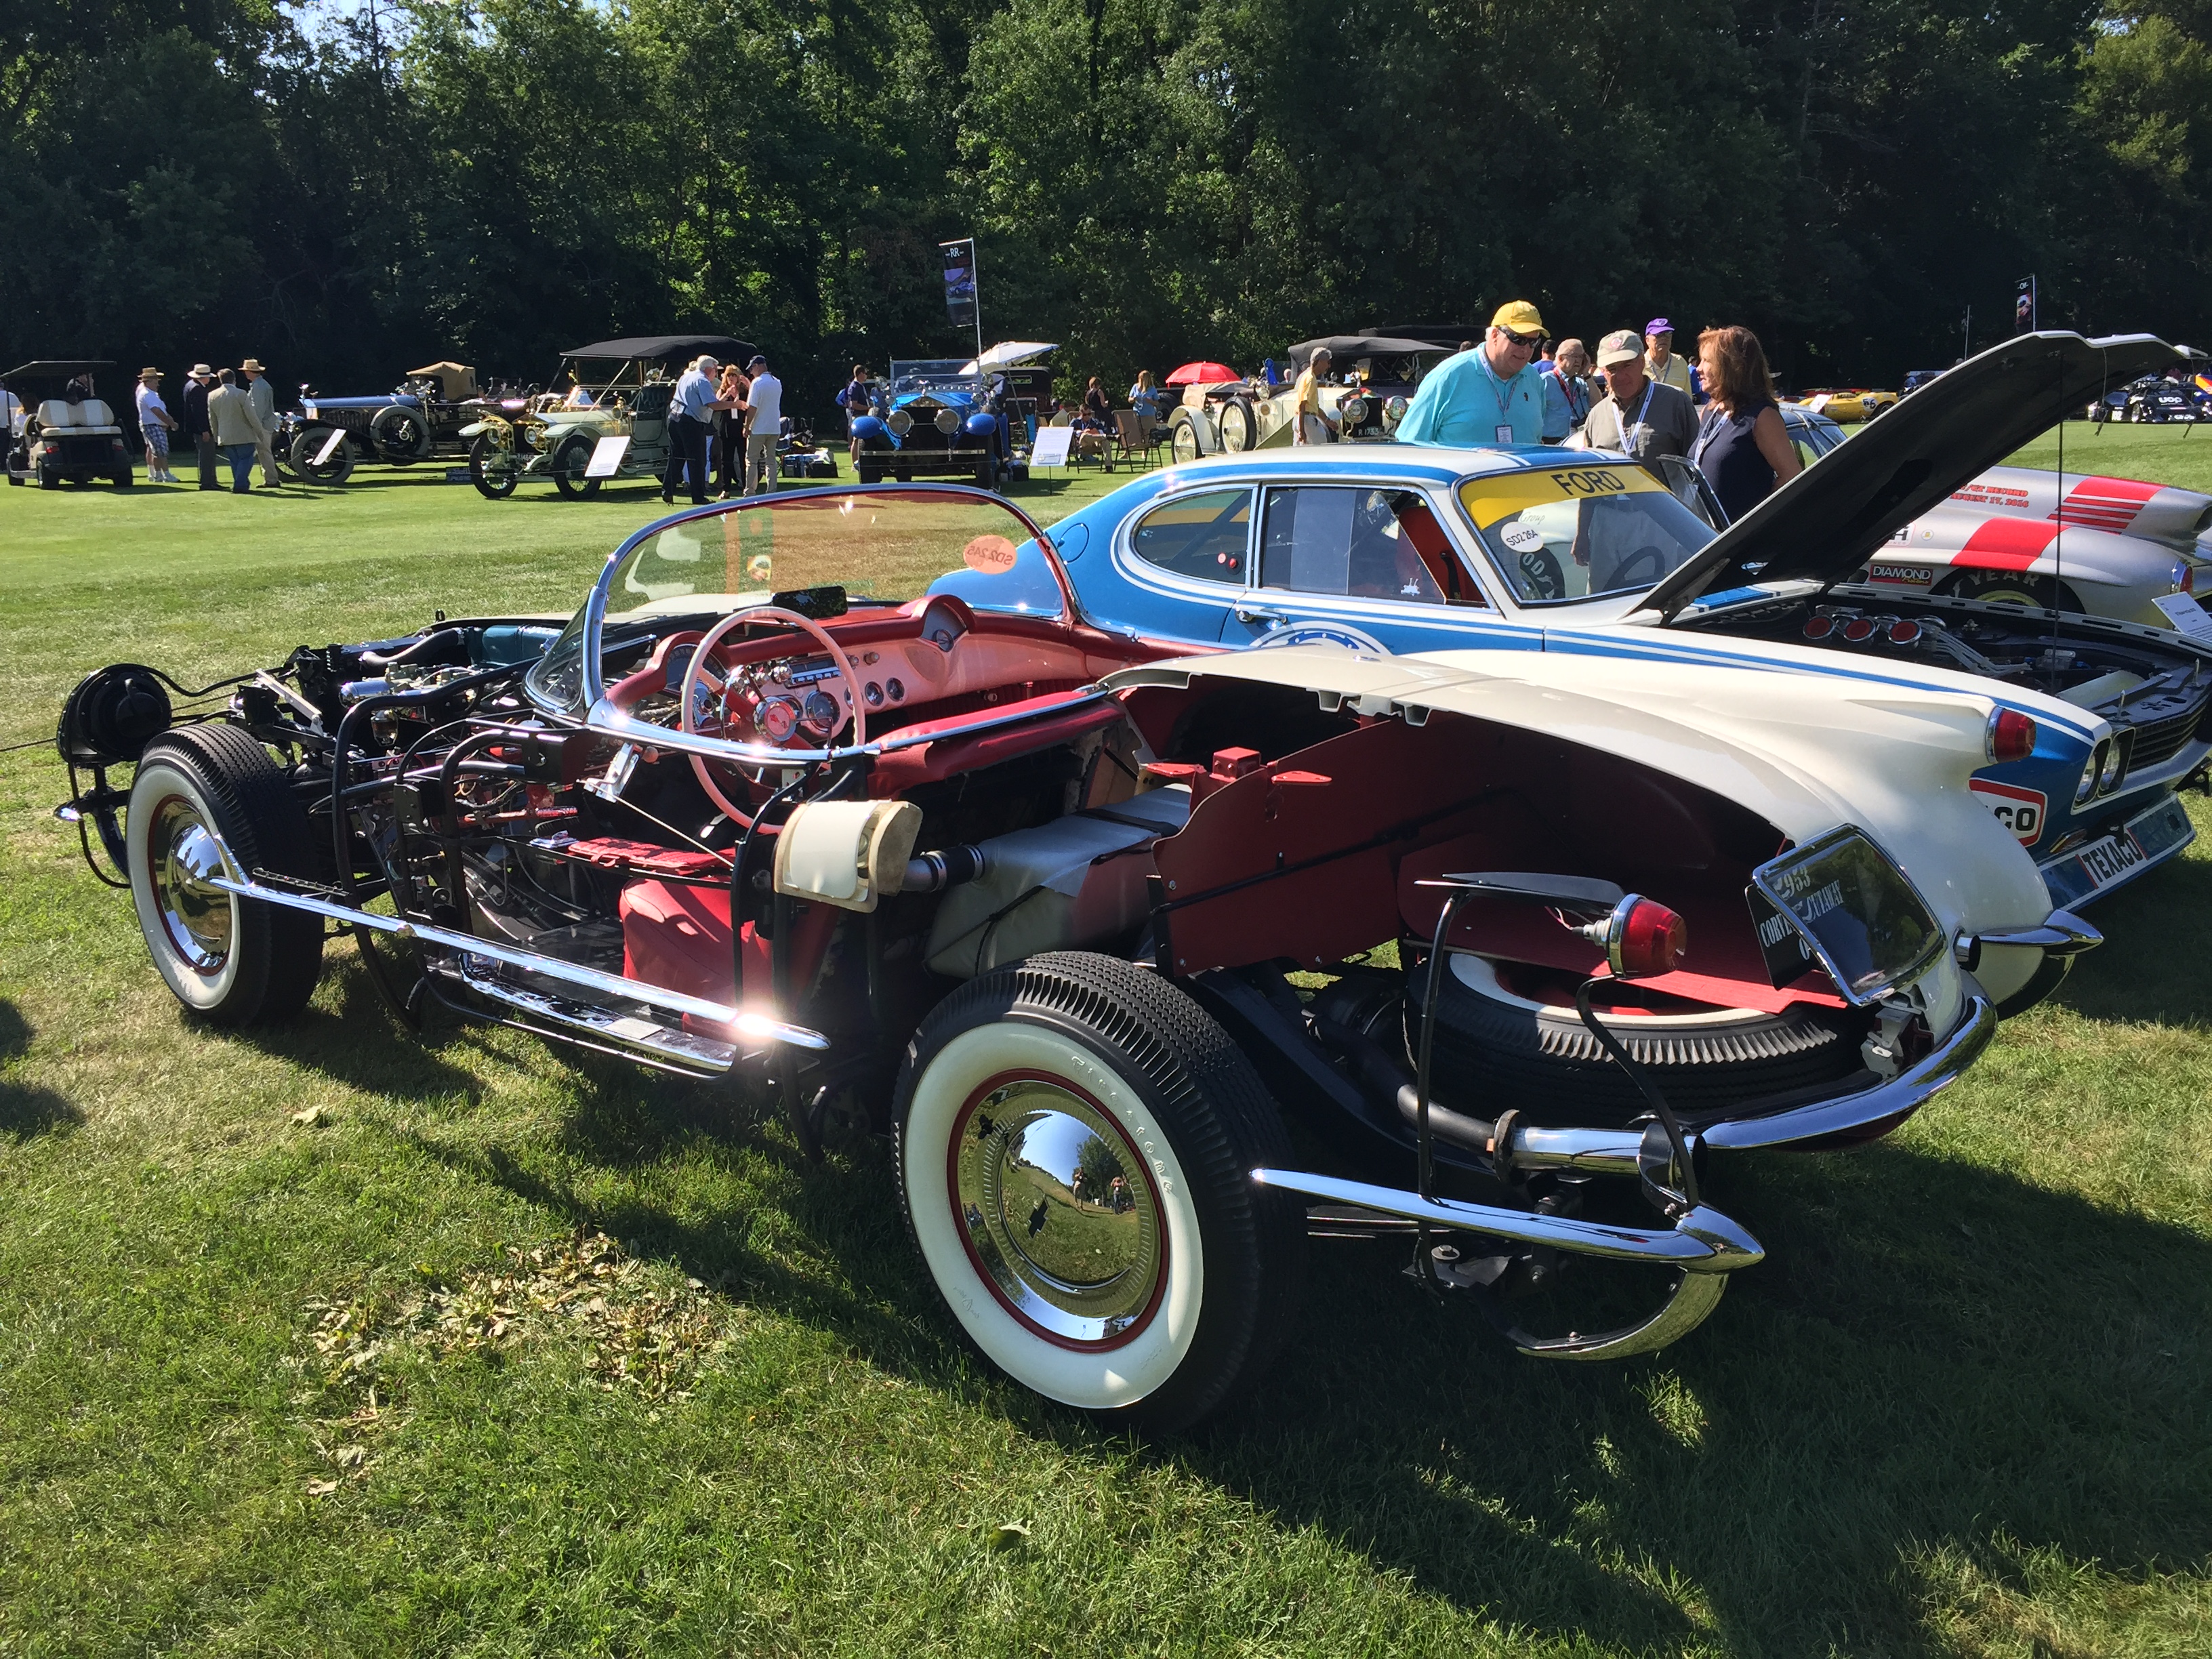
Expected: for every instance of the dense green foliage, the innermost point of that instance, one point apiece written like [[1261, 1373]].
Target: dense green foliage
[[346, 192]]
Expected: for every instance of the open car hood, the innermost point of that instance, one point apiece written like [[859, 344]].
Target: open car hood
[[1829, 520]]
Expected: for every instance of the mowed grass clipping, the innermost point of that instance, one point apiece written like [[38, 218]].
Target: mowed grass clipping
[[331, 1341]]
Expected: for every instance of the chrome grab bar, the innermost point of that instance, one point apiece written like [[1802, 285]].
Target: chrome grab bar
[[748, 1023]]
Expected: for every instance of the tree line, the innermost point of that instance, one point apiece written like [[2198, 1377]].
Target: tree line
[[348, 191]]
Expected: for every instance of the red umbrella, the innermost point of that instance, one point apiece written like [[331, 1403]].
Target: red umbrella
[[1203, 374]]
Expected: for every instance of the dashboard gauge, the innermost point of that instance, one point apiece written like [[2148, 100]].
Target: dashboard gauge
[[894, 689], [822, 714], [874, 694]]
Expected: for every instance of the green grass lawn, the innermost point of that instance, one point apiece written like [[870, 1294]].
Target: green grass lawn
[[327, 1340]]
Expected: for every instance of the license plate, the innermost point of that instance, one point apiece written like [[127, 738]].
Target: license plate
[[2106, 861]]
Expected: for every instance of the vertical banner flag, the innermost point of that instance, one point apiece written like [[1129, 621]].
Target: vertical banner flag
[[960, 282], [2023, 306]]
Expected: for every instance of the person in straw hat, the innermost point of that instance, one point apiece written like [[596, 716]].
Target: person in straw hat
[[155, 425], [264, 397]]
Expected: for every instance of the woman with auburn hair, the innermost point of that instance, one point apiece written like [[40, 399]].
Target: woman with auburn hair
[[1742, 448]]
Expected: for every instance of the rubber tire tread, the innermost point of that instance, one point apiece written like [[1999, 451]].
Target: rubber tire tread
[[272, 834], [1225, 1123], [1489, 1056], [577, 489]]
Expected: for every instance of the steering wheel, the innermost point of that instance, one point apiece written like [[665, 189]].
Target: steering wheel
[[696, 674], [1624, 572]]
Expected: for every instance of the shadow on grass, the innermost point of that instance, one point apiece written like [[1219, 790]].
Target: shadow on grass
[[360, 1043], [2156, 962], [27, 1111], [1934, 1357]]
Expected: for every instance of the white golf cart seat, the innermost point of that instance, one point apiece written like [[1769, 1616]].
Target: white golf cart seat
[[90, 419]]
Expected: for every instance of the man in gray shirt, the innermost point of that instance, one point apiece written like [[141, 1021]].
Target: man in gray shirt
[[1639, 416]]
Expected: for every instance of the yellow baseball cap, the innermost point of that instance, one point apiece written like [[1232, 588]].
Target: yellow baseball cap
[[1521, 317]]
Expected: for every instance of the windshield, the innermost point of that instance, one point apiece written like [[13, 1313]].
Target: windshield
[[813, 552], [1578, 532], [949, 373]]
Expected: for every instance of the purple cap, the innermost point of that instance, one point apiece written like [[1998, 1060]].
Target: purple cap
[[1658, 325]]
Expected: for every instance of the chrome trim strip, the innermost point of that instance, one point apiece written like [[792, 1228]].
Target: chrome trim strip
[[1908, 1090], [1703, 1241], [756, 1025], [609, 722], [662, 1045]]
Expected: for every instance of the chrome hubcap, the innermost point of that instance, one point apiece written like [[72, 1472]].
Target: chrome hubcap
[[1059, 1212], [184, 856]]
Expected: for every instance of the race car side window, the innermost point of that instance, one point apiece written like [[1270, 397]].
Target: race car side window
[[1359, 543], [1207, 535]]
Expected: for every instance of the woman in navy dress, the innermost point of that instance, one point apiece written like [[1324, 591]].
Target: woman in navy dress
[[1741, 448]]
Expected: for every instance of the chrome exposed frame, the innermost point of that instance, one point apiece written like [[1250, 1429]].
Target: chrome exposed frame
[[748, 1023]]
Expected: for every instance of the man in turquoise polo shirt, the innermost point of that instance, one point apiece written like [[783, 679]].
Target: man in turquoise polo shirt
[[1490, 395]]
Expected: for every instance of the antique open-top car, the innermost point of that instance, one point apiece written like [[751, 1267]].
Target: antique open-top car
[[836, 796], [606, 419], [431, 415], [937, 418], [1371, 379], [68, 435]]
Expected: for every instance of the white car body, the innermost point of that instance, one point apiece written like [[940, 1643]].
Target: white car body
[[1807, 753]]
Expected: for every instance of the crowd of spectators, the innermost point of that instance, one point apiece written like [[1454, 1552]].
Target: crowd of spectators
[[1639, 397]]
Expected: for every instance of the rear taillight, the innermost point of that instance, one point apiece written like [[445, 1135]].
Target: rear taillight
[[1904, 633], [2185, 576], [1819, 628], [1858, 629], [1643, 937], [2009, 736]]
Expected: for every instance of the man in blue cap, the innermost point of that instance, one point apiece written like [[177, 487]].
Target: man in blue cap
[[1660, 360], [1488, 394]]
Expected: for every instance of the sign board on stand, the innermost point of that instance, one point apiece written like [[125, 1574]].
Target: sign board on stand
[[607, 457], [2187, 615], [1051, 446]]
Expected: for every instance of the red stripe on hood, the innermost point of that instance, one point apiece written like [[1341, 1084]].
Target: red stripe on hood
[[2006, 545]]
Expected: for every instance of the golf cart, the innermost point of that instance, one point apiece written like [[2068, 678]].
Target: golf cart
[[67, 432], [606, 419]]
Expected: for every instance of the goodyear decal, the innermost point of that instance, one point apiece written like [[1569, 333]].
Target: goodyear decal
[[2021, 811], [1500, 495]]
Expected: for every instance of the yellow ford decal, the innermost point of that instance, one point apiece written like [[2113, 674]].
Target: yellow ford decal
[[1502, 494]]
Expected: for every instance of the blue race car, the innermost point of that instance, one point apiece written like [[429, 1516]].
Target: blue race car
[[1383, 548], [935, 419]]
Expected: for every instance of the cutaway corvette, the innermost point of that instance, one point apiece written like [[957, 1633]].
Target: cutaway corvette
[[1092, 930]]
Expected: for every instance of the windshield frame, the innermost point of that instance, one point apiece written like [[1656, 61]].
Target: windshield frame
[[595, 604]]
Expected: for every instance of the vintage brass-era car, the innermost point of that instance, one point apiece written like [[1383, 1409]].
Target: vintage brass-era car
[[610, 405]]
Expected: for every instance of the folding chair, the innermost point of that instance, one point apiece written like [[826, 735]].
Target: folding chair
[[1132, 437]]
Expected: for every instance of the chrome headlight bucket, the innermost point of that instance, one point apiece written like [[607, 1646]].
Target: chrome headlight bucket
[[947, 421], [901, 422], [1393, 411], [2112, 768], [2091, 769]]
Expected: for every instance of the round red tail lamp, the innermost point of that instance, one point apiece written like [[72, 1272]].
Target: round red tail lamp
[[1819, 628], [1858, 630], [1645, 938], [1904, 633], [2010, 736]]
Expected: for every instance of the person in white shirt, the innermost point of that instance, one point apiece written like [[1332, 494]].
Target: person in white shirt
[[689, 412], [155, 425], [764, 403]]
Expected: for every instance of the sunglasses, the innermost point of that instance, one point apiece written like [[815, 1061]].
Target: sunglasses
[[1532, 341]]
